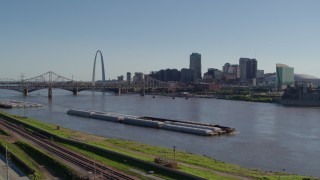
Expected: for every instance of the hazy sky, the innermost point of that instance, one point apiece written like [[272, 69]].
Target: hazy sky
[[37, 36]]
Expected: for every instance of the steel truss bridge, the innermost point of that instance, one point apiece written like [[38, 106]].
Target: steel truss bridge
[[51, 80]]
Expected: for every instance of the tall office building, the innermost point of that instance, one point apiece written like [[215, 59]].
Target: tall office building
[[195, 64], [248, 69], [128, 77], [285, 76], [243, 67]]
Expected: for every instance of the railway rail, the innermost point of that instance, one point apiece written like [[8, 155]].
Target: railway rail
[[87, 164]]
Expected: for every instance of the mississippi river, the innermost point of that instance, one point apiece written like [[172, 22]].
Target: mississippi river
[[269, 136]]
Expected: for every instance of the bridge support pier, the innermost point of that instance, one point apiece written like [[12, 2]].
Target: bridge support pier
[[75, 91], [50, 93], [142, 92], [124, 91], [119, 91], [25, 92]]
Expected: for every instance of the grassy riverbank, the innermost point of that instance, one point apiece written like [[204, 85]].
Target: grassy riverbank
[[250, 98], [190, 163], [23, 158]]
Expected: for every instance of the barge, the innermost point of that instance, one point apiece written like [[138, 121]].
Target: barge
[[7, 104], [190, 127]]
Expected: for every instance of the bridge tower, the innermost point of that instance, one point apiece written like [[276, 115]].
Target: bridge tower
[[94, 67], [25, 91], [143, 89]]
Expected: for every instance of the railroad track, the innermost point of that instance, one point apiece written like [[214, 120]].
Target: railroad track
[[79, 160]]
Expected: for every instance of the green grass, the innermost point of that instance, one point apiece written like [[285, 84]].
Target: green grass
[[121, 166], [204, 173], [55, 165], [147, 152], [250, 98], [25, 158], [3, 132]]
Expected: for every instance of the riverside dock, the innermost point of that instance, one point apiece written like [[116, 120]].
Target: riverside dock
[[190, 127]]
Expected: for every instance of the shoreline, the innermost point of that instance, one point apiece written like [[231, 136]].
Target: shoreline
[[223, 97], [148, 152]]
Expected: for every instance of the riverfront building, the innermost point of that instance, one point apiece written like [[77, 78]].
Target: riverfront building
[[285, 76], [195, 64]]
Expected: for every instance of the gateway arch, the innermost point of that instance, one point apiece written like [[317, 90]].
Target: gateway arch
[[94, 67]]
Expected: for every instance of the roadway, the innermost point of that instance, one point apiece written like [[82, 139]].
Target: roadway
[[14, 172]]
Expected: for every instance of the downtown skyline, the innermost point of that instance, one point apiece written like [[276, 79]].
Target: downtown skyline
[[144, 36]]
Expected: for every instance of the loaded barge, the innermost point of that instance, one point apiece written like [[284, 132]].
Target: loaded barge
[[7, 104], [190, 127]]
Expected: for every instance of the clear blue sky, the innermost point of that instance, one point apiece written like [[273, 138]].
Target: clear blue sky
[[37, 36]]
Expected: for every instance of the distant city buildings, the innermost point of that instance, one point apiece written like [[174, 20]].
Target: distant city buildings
[[285, 76], [120, 78], [231, 72], [195, 64], [138, 76], [243, 74], [167, 75], [187, 75]]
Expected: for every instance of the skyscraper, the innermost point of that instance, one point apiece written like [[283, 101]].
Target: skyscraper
[[251, 69], [243, 67], [285, 76], [248, 69], [195, 64], [128, 77]]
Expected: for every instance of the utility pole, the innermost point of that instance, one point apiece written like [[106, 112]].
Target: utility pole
[[174, 153], [24, 107], [7, 161], [94, 167], [283, 170]]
